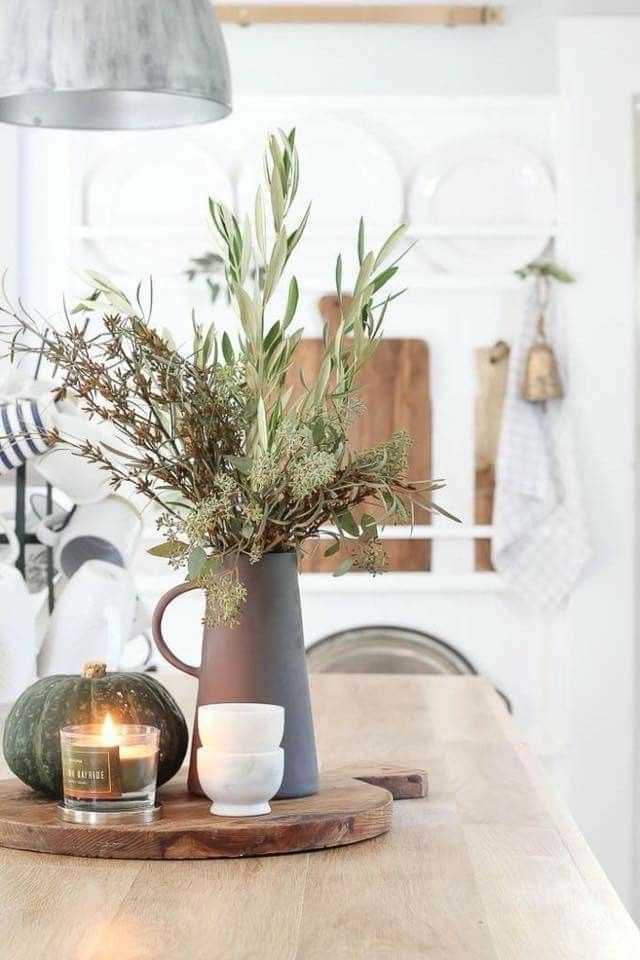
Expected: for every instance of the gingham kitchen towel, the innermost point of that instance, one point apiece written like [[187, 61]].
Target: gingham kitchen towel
[[540, 535]]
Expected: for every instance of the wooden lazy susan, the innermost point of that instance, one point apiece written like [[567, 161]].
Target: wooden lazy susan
[[352, 804]]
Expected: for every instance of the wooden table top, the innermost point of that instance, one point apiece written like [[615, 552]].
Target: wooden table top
[[490, 866]]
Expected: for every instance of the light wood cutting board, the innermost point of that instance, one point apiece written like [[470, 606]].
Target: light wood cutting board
[[395, 389], [492, 365]]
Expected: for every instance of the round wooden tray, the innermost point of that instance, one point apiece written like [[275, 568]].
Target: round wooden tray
[[345, 810]]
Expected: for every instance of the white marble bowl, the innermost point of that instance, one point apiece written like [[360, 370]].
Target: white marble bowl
[[240, 784], [241, 727]]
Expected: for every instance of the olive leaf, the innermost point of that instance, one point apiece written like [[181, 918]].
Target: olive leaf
[[346, 522], [343, 567], [171, 548], [196, 562]]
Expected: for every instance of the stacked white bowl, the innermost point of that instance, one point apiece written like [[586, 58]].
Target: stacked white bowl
[[240, 762]]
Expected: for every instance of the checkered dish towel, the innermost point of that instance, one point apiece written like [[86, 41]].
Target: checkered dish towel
[[540, 537]]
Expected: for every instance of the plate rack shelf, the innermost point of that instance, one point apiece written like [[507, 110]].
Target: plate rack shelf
[[417, 231]]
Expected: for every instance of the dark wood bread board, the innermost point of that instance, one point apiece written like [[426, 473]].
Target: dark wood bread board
[[344, 811]]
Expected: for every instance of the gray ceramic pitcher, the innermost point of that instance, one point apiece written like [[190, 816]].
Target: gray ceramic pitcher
[[262, 660]]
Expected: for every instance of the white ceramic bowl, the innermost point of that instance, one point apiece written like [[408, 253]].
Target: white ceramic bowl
[[240, 784], [241, 727]]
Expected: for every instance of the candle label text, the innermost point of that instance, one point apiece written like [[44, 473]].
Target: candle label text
[[91, 771]]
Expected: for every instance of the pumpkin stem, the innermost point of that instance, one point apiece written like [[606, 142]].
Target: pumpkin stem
[[93, 670]]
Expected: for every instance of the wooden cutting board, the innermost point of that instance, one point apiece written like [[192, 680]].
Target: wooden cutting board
[[350, 806], [492, 364], [395, 389]]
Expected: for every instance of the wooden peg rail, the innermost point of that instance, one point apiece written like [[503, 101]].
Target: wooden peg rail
[[447, 15]]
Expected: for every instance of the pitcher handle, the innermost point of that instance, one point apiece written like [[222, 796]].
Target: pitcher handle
[[156, 627]]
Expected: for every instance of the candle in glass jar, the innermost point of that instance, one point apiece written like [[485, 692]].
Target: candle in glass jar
[[109, 762]]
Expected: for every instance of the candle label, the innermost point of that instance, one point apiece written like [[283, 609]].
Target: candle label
[[91, 771]]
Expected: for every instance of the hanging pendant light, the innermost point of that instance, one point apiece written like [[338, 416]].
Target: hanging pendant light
[[112, 64]]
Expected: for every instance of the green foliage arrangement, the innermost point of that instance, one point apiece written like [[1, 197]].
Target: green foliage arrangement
[[239, 462]]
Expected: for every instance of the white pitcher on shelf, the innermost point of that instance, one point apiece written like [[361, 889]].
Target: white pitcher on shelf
[[18, 633], [83, 482], [28, 417], [109, 531], [95, 617]]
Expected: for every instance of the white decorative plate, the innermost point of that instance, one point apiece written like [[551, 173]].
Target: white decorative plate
[[148, 205], [483, 183], [345, 171]]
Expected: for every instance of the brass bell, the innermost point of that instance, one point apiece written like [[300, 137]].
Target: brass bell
[[541, 376]]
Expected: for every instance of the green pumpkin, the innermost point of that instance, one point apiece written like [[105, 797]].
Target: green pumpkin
[[32, 730]]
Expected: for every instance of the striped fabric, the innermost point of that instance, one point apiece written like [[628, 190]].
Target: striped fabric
[[23, 432]]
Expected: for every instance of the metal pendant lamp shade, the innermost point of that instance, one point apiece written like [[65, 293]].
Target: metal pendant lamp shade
[[112, 64]]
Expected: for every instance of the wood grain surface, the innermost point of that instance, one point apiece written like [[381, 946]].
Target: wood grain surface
[[492, 366], [489, 867], [344, 811], [395, 389], [403, 783]]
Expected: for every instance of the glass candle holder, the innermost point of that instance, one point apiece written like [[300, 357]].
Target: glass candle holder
[[109, 770]]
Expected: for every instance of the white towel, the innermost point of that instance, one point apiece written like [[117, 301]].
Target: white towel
[[540, 536]]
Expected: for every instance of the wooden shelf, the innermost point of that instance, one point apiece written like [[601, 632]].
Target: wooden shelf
[[446, 15]]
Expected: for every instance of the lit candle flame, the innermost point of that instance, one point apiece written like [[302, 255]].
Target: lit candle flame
[[108, 735]]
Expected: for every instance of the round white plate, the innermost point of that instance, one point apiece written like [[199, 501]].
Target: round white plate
[[150, 200], [345, 172], [483, 183]]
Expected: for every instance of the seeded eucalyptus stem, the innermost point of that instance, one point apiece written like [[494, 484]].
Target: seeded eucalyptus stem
[[240, 456]]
